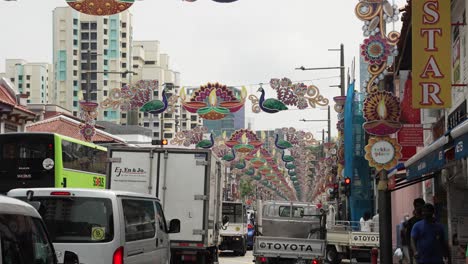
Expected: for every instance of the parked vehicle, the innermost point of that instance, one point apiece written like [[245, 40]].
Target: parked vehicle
[[234, 231], [345, 240], [289, 233], [188, 182], [23, 236], [104, 226]]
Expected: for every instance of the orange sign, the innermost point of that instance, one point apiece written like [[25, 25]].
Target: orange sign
[[431, 54]]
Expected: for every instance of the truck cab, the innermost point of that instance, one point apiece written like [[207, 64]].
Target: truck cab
[[234, 230]]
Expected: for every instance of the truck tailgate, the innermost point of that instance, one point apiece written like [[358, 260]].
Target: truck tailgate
[[289, 247]]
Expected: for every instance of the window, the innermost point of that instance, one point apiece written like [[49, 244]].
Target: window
[[93, 36], [75, 32], [167, 135], [12, 79], [105, 21], [85, 35], [27, 244], [75, 53], [75, 83], [105, 41], [77, 220], [75, 62], [161, 219], [156, 93], [105, 31], [93, 97], [155, 124], [75, 21], [105, 53], [124, 55], [84, 25], [124, 45], [75, 104], [75, 93], [192, 126], [124, 115], [150, 62], [124, 35], [20, 77], [167, 115], [28, 85], [84, 46], [146, 124], [20, 85], [297, 212], [193, 118], [156, 134], [166, 125], [93, 25], [83, 158], [124, 65], [75, 42], [105, 113], [139, 218], [75, 73], [94, 46], [28, 77], [105, 93], [234, 212], [124, 25]]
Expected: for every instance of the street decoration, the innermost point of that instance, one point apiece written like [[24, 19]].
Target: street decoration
[[88, 114], [382, 153], [139, 95], [378, 45], [298, 95], [213, 101], [244, 141], [100, 7], [340, 109], [196, 136], [382, 113]]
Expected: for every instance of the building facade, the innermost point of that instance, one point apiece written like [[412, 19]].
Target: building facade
[[32, 79], [94, 50]]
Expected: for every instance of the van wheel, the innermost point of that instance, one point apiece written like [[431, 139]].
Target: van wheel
[[244, 248], [333, 256]]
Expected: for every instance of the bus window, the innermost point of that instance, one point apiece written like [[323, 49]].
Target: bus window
[[83, 158]]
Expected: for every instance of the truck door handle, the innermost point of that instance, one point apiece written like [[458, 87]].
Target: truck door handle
[[136, 252]]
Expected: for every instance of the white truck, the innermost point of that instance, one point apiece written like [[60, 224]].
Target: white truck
[[234, 230], [188, 183], [346, 241], [289, 233]]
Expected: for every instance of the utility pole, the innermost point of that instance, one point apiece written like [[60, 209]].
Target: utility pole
[[342, 73], [88, 77], [329, 125]]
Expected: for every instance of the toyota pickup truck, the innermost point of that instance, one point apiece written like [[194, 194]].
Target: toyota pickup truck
[[289, 233]]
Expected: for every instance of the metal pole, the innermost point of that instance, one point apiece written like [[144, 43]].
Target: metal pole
[[342, 70], [329, 125]]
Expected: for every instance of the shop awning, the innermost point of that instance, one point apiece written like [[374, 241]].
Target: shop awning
[[428, 160], [460, 138]]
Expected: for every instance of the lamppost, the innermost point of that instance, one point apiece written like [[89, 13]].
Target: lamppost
[[322, 120], [341, 68]]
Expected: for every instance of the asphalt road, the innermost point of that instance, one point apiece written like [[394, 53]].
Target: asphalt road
[[229, 258]]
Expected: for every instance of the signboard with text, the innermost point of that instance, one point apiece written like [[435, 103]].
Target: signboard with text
[[431, 48]]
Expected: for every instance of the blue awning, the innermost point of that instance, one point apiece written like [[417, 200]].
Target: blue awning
[[428, 160], [460, 137]]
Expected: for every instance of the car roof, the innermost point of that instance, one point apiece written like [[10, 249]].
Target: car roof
[[78, 192], [10, 205]]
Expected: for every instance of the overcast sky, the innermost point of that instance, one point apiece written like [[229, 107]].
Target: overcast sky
[[245, 42]]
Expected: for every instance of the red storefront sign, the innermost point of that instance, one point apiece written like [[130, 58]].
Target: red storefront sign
[[411, 135]]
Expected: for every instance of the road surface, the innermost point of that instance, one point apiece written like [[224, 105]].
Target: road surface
[[229, 258]]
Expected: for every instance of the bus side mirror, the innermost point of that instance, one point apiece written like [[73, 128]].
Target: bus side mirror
[[225, 220], [174, 226], [70, 258]]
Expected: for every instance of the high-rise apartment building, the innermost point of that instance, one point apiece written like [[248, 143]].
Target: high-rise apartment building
[[100, 45], [150, 64], [32, 79]]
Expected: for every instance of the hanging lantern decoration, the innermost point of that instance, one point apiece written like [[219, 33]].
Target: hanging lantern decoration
[[100, 7]]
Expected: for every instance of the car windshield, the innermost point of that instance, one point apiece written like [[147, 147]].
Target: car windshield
[[23, 240], [77, 219], [234, 212]]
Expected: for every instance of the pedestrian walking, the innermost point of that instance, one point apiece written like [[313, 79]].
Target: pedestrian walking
[[428, 239], [375, 222], [418, 203], [366, 222]]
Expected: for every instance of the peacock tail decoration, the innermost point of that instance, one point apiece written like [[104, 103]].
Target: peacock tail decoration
[[195, 137]]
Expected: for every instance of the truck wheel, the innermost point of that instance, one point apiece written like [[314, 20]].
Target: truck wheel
[[244, 248], [332, 255]]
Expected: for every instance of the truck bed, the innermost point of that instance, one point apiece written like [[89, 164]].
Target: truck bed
[[353, 238]]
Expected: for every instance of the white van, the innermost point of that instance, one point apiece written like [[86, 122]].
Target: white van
[[104, 226], [23, 237]]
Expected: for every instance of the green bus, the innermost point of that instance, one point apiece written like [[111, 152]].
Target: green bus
[[29, 160]]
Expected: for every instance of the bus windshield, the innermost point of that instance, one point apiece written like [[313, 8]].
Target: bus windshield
[[23, 241]]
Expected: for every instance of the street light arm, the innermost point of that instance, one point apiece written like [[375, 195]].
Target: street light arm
[[302, 68]]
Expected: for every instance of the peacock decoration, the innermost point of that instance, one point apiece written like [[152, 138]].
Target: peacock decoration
[[206, 143], [281, 143], [298, 95], [156, 106], [229, 156]]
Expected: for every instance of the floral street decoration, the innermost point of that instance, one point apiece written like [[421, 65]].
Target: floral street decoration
[[378, 45], [140, 96], [298, 95], [382, 113], [100, 7], [213, 101], [88, 114], [383, 153], [244, 141], [196, 136]]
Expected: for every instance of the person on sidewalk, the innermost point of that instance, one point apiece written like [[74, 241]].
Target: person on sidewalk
[[375, 222], [417, 216], [428, 239]]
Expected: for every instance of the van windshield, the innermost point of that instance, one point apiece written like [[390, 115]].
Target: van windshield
[[23, 240], [77, 219]]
